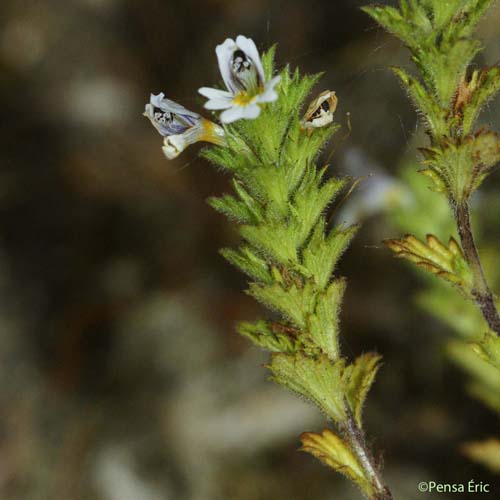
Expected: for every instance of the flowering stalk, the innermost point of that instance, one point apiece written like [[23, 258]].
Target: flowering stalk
[[290, 256], [288, 250], [450, 97]]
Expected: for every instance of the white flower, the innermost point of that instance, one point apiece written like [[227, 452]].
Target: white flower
[[179, 126], [320, 112], [243, 75]]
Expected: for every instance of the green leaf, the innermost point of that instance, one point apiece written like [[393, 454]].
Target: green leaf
[[295, 302], [324, 322], [276, 240], [231, 208], [446, 262], [267, 134], [439, 185], [236, 156], [268, 62], [323, 252], [443, 12], [474, 93], [271, 186], [249, 262], [463, 164], [301, 148], [445, 67], [295, 88], [433, 115], [309, 203], [483, 149], [271, 337], [392, 20], [465, 22], [244, 210], [359, 378], [417, 14], [318, 380]]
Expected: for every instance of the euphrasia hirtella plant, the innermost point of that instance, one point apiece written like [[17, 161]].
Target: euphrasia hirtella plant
[[288, 249], [449, 96]]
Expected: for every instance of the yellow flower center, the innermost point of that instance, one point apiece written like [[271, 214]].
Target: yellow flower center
[[246, 97], [242, 99]]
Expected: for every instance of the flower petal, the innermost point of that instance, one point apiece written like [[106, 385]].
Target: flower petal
[[251, 111], [173, 146], [224, 53], [269, 94], [218, 99], [231, 115], [160, 101], [215, 93], [168, 117], [156, 100], [247, 45], [167, 126], [240, 112], [215, 104]]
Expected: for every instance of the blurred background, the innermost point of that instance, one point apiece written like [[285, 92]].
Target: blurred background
[[121, 375]]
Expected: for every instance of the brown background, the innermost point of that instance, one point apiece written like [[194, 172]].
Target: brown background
[[121, 376]]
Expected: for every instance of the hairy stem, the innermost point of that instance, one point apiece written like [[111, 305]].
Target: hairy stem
[[481, 291], [356, 438]]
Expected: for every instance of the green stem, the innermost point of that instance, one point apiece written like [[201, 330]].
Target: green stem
[[357, 441], [481, 291]]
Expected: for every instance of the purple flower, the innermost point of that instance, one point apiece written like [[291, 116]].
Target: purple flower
[[179, 126]]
